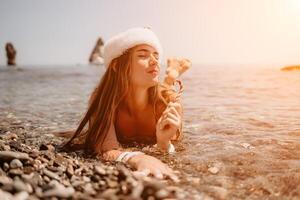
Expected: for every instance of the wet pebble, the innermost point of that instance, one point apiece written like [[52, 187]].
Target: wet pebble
[[4, 180], [5, 195], [47, 147], [16, 163], [112, 184], [15, 172], [194, 180], [6, 166], [10, 155], [218, 192], [21, 186], [4, 147], [99, 170], [70, 170], [21, 196], [34, 153], [10, 136], [109, 193], [247, 145], [213, 170], [58, 190], [162, 194], [51, 174], [88, 188]]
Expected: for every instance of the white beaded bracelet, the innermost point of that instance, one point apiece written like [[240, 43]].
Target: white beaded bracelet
[[126, 155]]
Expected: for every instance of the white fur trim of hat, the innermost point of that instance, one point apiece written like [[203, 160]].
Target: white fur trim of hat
[[118, 44]]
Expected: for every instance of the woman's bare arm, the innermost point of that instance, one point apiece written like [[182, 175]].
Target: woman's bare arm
[[169, 126], [179, 133], [142, 163]]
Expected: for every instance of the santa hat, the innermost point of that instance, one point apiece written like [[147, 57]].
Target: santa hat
[[118, 44]]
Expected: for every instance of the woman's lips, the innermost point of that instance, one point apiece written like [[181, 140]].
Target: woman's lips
[[153, 72]]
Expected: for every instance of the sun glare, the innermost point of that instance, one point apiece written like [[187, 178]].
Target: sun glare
[[294, 7]]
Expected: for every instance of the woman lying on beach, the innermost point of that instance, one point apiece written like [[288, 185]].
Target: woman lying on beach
[[129, 106]]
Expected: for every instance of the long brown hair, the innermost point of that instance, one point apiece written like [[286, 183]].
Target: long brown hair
[[110, 92]]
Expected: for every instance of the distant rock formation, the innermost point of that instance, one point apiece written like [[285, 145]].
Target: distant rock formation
[[10, 54], [96, 57], [290, 68]]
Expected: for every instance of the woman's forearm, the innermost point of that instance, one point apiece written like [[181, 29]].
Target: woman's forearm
[[131, 158], [163, 144], [143, 163], [164, 139], [111, 155]]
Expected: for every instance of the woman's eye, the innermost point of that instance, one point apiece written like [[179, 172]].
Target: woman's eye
[[142, 56]]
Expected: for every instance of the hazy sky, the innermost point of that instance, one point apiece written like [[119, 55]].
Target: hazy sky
[[206, 31]]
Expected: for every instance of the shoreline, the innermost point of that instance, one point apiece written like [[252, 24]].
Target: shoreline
[[43, 172], [31, 167]]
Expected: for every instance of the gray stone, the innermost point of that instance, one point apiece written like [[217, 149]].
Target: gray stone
[[5, 195], [34, 153], [21, 186], [10, 155], [70, 170], [51, 174], [21, 196], [6, 166], [34, 178], [47, 147], [2, 173], [86, 179], [78, 171], [4, 180], [162, 194], [219, 192], [112, 184], [16, 163], [39, 192], [88, 188], [213, 170], [10, 136], [3, 146], [99, 170], [58, 190], [109, 193], [46, 179], [27, 177], [15, 172]]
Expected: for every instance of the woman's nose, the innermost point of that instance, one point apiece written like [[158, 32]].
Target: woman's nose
[[153, 60]]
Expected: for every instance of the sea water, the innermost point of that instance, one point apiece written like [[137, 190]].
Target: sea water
[[241, 123]]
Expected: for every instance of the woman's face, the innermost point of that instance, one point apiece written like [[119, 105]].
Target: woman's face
[[145, 67]]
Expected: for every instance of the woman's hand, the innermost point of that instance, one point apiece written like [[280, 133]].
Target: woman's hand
[[149, 165], [168, 124]]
